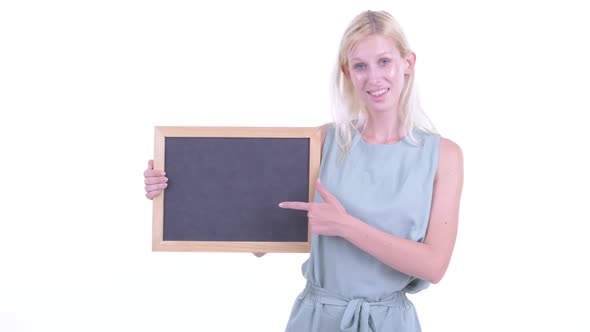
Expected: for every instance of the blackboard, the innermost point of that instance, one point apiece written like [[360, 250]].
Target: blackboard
[[225, 184]]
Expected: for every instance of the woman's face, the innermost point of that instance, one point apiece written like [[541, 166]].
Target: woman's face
[[377, 70]]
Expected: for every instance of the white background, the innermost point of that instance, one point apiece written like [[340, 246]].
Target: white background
[[83, 83]]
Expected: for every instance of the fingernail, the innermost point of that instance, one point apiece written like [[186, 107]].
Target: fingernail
[[281, 204], [163, 173]]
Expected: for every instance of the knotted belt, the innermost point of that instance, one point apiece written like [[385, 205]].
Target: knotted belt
[[357, 315]]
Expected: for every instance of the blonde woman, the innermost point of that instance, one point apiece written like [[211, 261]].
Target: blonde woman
[[385, 220]]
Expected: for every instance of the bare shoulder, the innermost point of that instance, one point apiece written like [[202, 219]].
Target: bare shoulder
[[450, 158]]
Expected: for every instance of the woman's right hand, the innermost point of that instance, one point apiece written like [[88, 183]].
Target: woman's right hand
[[155, 181]]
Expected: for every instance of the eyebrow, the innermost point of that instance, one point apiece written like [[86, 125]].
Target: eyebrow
[[378, 55]]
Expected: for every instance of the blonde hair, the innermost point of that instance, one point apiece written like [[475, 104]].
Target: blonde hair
[[348, 110]]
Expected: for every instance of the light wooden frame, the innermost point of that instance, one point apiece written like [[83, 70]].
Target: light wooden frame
[[158, 244]]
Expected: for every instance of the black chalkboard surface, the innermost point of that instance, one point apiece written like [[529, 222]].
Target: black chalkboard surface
[[225, 184]]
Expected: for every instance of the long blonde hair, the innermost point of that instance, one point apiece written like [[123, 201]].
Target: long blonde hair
[[348, 110]]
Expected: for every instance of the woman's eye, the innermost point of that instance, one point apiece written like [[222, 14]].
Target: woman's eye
[[360, 66], [384, 61]]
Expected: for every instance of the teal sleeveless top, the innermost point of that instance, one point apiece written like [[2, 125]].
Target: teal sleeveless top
[[388, 186]]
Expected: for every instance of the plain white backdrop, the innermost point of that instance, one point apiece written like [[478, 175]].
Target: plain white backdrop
[[83, 83]]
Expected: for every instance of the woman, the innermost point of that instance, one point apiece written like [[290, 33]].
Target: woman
[[385, 220]]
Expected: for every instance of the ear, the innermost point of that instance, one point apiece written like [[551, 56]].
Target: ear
[[410, 61], [344, 70]]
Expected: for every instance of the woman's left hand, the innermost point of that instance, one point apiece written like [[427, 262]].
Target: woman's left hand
[[328, 218]]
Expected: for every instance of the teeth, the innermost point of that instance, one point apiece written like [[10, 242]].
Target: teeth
[[378, 92]]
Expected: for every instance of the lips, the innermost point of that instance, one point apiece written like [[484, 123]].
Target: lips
[[377, 93]]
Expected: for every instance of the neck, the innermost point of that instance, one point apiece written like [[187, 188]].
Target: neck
[[383, 128]]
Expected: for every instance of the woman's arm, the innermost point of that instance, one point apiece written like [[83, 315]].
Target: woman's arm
[[428, 260]]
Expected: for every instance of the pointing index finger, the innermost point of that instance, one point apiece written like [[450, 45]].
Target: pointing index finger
[[295, 205]]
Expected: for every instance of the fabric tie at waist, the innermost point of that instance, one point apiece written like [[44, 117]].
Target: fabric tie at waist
[[357, 315]]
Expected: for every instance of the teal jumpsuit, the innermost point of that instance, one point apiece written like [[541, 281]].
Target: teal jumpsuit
[[388, 186]]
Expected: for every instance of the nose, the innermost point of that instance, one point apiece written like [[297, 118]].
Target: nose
[[374, 75]]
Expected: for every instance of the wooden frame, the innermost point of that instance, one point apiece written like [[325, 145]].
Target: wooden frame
[[161, 133]]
